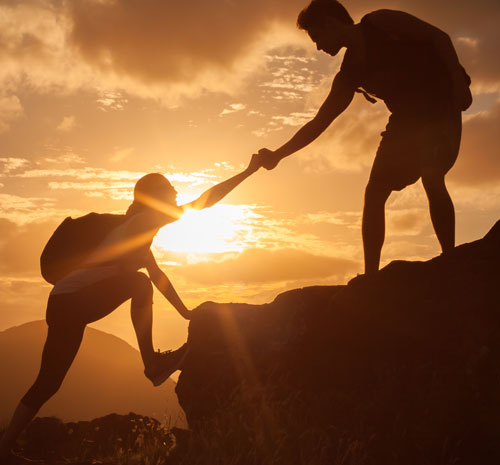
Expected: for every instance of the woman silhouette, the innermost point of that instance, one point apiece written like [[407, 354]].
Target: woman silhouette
[[109, 276]]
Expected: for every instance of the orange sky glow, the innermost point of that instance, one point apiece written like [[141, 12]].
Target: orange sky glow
[[96, 93]]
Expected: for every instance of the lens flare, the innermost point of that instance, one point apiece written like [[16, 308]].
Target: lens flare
[[219, 229]]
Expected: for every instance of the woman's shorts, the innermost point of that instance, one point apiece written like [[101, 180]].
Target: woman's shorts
[[97, 300]]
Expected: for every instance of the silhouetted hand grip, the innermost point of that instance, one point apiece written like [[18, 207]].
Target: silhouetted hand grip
[[268, 159], [255, 164]]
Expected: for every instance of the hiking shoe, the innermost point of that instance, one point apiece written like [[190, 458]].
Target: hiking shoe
[[165, 364]]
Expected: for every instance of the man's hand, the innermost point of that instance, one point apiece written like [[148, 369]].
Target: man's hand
[[268, 159]]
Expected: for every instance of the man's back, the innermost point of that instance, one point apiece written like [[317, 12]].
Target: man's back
[[404, 70]]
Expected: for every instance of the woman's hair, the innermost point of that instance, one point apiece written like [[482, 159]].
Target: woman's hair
[[152, 191], [316, 11]]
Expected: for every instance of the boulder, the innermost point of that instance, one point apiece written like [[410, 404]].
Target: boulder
[[401, 367]]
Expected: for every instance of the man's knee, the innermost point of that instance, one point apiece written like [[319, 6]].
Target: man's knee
[[433, 181]]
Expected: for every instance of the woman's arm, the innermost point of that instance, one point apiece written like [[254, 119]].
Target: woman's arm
[[219, 191], [163, 284]]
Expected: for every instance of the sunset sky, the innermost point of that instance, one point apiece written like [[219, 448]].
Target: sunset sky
[[96, 93]]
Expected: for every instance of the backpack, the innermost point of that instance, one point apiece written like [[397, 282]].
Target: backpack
[[411, 72], [73, 241]]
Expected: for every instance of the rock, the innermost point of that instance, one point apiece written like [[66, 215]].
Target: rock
[[404, 363]]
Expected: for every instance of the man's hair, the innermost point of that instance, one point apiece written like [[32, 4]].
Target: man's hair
[[316, 11]]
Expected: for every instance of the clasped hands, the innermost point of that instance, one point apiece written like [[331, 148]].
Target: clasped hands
[[264, 158]]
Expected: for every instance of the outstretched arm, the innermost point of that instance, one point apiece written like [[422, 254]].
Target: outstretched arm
[[339, 98], [219, 191], [163, 284]]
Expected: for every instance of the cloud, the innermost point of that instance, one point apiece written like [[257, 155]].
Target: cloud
[[21, 246], [10, 110], [23, 299], [12, 164], [178, 43], [295, 118], [261, 265], [233, 108], [479, 161], [111, 100], [25, 210], [121, 153], [351, 142], [407, 222], [160, 49], [67, 124]]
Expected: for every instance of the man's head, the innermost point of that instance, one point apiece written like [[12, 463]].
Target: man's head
[[154, 193], [326, 22]]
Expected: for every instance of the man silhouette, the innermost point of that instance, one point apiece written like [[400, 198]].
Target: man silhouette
[[413, 67]]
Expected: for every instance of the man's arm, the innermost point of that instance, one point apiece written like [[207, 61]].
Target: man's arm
[[404, 25], [163, 284], [219, 191], [339, 98]]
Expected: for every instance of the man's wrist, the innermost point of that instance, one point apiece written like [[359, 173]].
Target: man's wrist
[[279, 153]]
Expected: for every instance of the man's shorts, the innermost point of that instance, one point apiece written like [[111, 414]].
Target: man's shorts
[[413, 143]]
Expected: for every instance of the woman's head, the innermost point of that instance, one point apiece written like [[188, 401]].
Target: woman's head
[[154, 193]]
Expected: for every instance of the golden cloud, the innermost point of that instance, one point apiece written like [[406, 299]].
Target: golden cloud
[[263, 265], [163, 49], [479, 160]]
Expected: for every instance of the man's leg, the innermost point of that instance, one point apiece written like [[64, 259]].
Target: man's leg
[[373, 226], [441, 209], [58, 354]]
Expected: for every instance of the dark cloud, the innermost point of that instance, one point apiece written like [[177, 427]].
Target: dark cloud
[[171, 41], [261, 265]]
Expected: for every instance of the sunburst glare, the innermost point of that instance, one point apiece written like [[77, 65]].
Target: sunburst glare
[[219, 229]]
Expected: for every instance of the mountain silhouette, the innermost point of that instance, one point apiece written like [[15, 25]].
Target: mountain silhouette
[[401, 367], [106, 377]]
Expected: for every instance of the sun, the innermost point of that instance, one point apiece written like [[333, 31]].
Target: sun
[[218, 229]]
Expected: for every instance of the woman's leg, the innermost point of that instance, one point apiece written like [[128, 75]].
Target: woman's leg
[[67, 316], [141, 312], [100, 299], [61, 346]]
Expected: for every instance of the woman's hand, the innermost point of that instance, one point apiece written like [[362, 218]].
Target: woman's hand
[[255, 163], [268, 159]]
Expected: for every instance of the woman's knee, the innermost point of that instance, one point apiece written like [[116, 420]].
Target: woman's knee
[[142, 287]]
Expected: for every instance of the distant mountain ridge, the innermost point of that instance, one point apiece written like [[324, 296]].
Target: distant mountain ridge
[[106, 377]]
